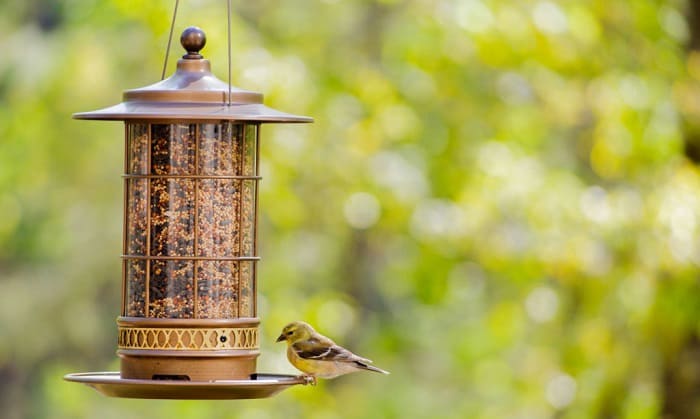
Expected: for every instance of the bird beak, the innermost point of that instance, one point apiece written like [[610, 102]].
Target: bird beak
[[281, 338]]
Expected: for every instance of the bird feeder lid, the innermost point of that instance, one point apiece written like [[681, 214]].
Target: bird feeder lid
[[192, 93]]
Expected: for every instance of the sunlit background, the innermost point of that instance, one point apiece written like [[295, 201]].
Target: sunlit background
[[499, 201]]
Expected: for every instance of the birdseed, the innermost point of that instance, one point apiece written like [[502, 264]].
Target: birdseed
[[184, 214]]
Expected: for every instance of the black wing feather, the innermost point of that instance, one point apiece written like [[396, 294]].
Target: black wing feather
[[322, 351]]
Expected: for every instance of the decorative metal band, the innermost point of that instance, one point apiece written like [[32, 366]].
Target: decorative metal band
[[207, 258], [188, 339], [205, 177]]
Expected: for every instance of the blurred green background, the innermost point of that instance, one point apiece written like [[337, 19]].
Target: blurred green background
[[499, 201]]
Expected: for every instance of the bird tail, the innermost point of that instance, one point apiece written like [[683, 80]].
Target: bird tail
[[364, 366]]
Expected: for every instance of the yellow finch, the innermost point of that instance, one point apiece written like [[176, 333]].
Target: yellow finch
[[318, 356]]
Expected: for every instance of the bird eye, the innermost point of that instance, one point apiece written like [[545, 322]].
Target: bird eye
[[289, 333]]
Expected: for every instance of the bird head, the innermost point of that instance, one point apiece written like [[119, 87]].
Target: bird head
[[296, 331]]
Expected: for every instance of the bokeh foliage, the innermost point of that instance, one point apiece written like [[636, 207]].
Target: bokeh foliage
[[494, 202]]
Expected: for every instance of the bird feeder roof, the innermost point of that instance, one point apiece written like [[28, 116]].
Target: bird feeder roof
[[192, 93]]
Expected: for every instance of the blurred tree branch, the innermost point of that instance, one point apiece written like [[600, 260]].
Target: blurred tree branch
[[692, 126], [681, 378]]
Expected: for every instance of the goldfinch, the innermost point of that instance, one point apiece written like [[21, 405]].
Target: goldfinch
[[318, 356]]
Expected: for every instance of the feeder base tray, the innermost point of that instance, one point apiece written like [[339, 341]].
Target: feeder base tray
[[257, 387]]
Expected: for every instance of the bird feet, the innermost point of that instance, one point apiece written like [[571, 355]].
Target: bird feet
[[309, 379]]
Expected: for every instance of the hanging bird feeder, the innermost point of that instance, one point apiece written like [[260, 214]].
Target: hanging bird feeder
[[188, 326]]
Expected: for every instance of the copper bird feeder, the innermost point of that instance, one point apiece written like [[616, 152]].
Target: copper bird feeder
[[188, 326]]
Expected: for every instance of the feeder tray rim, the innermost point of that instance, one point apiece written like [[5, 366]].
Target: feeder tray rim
[[261, 385]]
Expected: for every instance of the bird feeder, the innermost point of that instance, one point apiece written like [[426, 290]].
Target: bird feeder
[[188, 326]]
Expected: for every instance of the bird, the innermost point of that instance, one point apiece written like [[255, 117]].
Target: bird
[[318, 356]]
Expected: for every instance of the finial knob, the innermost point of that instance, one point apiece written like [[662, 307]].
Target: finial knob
[[193, 40]]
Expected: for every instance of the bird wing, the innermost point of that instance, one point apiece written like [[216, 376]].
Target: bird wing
[[324, 350]]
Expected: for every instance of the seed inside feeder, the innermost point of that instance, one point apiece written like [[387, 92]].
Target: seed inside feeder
[[190, 218]]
